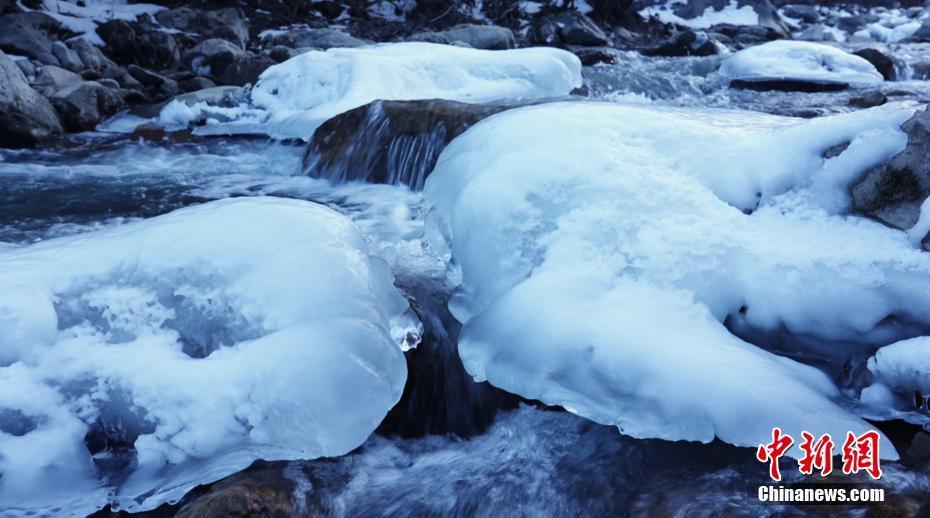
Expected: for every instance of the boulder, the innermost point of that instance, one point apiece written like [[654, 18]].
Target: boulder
[[815, 33], [569, 28], [892, 192], [226, 63], [318, 38], [140, 44], [743, 36], [487, 37], [869, 100], [86, 104], [196, 83], [158, 87], [68, 58], [222, 96], [92, 57], [687, 43], [884, 64], [30, 34], [805, 13], [227, 23], [390, 141], [923, 33], [50, 79], [590, 56], [25, 116]]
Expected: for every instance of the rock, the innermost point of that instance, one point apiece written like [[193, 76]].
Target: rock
[[26, 117], [26, 65], [687, 43], [363, 144], [68, 58], [323, 38], [30, 34], [815, 33], [329, 9], [590, 56], [280, 53], [91, 56], [919, 450], [892, 192], [84, 105], [487, 37], [922, 69], [227, 23], [851, 23], [869, 100], [51, 79], [196, 83], [922, 34], [805, 13], [569, 28], [139, 44], [884, 64], [743, 36], [223, 96], [261, 491], [766, 12], [148, 131], [226, 63], [158, 86]]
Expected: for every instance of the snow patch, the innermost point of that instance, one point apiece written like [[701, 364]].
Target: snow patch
[[785, 60]]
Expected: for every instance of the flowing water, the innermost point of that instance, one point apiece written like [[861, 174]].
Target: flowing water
[[452, 446]]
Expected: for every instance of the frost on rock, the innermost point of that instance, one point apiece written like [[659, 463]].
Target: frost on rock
[[676, 273], [785, 61], [140, 361], [293, 98], [901, 377]]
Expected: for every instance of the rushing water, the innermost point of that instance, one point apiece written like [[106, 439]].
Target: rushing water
[[452, 447]]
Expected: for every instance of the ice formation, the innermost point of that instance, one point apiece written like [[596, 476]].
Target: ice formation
[[139, 361], [293, 98], [899, 370], [785, 60], [608, 254]]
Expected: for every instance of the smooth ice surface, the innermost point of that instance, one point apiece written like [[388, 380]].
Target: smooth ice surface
[[786, 60], [293, 98], [601, 248], [139, 361]]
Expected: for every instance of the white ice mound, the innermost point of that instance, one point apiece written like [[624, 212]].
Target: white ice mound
[[609, 255], [801, 61], [138, 362], [903, 367], [293, 98]]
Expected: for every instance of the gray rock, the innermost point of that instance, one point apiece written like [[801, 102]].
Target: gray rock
[[569, 28], [892, 192], [140, 44], [921, 69], [86, 104], [805, 13], [884, 64], [223, 96], [27, 66], [158, 86], [29, 34], [25, 116], [91, 56], [227, 23], [68, 58], [768, 15], [687, 43], [323, 38], [590, 56], [280, 53], [488, 37], [196, 83], [51, 79], [226, 63], [922, 34], [815, 33]]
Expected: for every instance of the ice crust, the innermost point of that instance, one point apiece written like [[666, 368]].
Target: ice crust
[[605, 252], [180, 349], [291, 99], [785, 60]]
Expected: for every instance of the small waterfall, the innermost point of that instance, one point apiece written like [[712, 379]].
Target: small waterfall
[[392, 142]]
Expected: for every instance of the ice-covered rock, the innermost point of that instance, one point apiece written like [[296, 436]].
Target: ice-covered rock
[[798, 65], [293, 98], [610, 257], [141, 361]]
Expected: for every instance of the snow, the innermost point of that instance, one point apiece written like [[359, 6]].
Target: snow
[[599, 249], [799, 61], [903, 366], [201, 341], [293, 98], [732, 14]]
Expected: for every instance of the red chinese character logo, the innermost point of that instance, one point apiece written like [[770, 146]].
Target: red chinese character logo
[[772, 451], [817, 454], [861, 454]]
